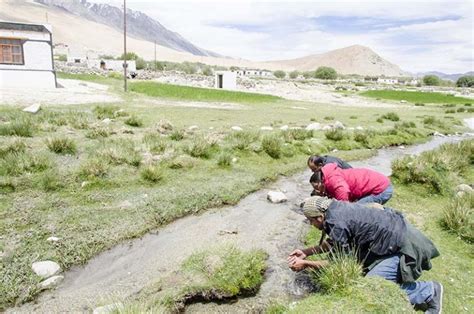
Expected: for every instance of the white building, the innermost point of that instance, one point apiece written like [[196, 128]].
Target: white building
[[111, 65], [386, 80], [246, 72], [226, 80], [26, 55]]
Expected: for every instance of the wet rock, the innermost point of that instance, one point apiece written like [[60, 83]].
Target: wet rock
[[314, 126], [51, 282], [46, 269], [284, 127], [338, 125], [276, 197], [236, 128], [52, 239], [109, 308], [193, 128], [33, 108], [266, 128]]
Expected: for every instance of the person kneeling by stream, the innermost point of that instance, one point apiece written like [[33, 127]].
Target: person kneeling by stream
[[385, 244]]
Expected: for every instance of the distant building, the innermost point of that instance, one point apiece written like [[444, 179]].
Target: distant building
[[79, 55], [225, 80], [111, 65], [246, 72], [26, 55], [386, 80]]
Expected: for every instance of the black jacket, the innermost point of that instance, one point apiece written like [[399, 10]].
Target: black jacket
[[334, 160]]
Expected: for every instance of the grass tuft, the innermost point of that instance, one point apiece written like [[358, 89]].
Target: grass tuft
[[272, 144], [61, 145], [93, 168], [134, 121], [224, 159], [20, 126], [335, 134], [199, 148], [458, 216], [152, 173], [392, 116]]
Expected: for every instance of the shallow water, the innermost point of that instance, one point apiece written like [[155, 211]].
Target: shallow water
[[275, 228]]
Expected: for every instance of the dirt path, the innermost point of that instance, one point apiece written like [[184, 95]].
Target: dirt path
[[275, 228]]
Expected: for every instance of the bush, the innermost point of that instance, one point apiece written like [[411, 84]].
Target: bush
[[431, 80], [353, 117], [207, 71], [461, 110], [458, 216], [465, 81], [325, 73], [450, 111], [224, 159], [134, 121], [419, 104], [19, 126], [379, 120], [294, 74], [329, 118], [392, 116], [17, 146], [151, 173], [177, 135], [361, 136], [307, 75], [279, 74], [61, 145], [335, 134], [241, 140], [291, 135], [272, 145]]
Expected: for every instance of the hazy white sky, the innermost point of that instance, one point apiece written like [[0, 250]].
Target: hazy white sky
[[416, 35]]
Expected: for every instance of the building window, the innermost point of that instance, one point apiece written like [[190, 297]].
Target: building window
[[11, 51]]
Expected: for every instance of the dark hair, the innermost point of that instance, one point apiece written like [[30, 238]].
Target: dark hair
[[316, 177], [315, 159]]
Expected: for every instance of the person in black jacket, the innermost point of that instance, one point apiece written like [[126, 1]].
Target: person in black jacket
[[315, 162], [385, 244]]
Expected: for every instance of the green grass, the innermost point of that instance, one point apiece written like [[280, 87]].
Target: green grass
[[416, 97], [198, 94]]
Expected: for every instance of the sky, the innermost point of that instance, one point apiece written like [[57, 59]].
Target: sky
[[416, 35]]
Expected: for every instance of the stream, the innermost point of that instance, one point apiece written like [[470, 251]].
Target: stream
[[254, 223]]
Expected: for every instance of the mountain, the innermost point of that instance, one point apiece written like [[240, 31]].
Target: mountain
[[139, 24], [453, 77], [355, 59]]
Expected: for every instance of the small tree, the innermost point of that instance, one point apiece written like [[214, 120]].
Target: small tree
[[279, 74], [130, 56], [431, 80], [207, 71], [325, 73], [234, 68], [465, 81], [307, 75], [294, 74]]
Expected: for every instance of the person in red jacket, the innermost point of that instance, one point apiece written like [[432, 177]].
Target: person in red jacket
[[352, 185]]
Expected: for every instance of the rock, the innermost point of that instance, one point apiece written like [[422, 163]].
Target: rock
[[295, 128], [403, 101], [33, 108], [338, 125], [46, 269], [314, 126], [211, 128], [326, 128], [84, 184], [266, 128], [359, 128], [193, 128], [164, 126], [436, 133], [234, 160], [276, 197], [52, 239], [107, 308], [463, 189], [51, 282], [284, 127], [236, 128], [106, 121]]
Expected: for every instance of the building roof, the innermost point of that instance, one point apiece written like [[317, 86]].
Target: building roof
[[24, 27]]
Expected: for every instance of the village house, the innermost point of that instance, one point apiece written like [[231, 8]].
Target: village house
[[225, 80], [26, 55], [111, 65], [386, 80], [246, 72]]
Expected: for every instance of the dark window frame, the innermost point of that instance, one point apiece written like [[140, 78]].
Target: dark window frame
[[21, 42]]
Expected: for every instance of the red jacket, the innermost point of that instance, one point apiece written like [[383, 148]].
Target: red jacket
[[352, 184]]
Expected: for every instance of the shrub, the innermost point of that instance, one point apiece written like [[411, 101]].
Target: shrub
[[151, 173], [450, 111], [61, 145], [199, 148], [431, 80], [353, 117], [458, 216], [419, 104], [335, 134], [207, 71], [468, 104], [279, 74], [329, 118], [465, 81], [325, 73], [272, 145], [93, 168], [361, 136], [134, 121], [291, 135], [406, 125], [294, 74], [379, 120], [19, 126], [177, 135], [224, 159], [431, 120], [470, 110], [461, 109], [307, 75], [392, 116], [241, 140]]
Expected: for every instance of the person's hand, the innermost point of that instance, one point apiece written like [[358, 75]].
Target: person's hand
[[296, 263], [298, 253]]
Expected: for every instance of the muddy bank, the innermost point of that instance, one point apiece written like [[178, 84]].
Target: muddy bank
[[252, 223]]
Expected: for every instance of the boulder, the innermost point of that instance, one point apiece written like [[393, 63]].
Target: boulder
[[463, 189], [338, 125], [46, 269], [33, 108], [266, 128], [314, 126], [276, 197], [284, 127], [51, 282], [236, 128]]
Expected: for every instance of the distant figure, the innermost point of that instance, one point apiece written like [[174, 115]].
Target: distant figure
[[383, 242], [315, 162], [352, 185]]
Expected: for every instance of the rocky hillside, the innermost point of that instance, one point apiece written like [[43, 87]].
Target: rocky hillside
[[355, 59], [139, 24]]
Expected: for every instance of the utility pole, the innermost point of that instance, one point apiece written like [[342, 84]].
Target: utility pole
[[155, 55], [125, 65]]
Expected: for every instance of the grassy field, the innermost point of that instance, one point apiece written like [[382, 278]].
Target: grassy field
[[198, 94], [66, 172], [417, 97]]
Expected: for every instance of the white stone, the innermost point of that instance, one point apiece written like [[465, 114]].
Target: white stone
[[359, 128], [211, 128], [339, 125], [109, 308], [234, 160], [266, 128], [403, 101], [314, 126], [463, 189], [51, 282], [33, 108], [284, 127], [295, 128], [193, 127], [436, 133], [46, 269], [52, 239], [276, 197], [84, 184], [236, 128], [106, 121]]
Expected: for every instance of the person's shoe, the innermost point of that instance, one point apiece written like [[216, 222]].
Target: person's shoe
[[436, 303]]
